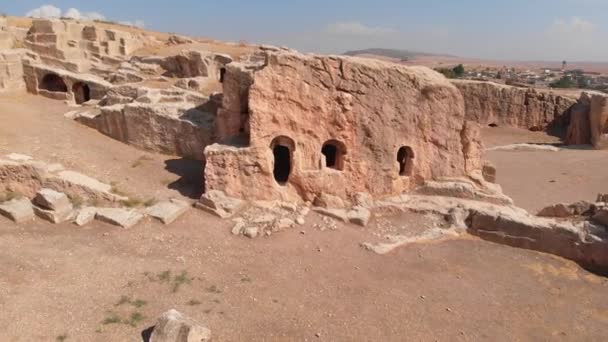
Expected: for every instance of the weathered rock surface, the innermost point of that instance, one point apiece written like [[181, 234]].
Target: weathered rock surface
[[195, 63], [573, 239], [172, 121], [168, 211], [52, 200], [54, 216], [172, 326], [301, 103], [125, 218], [17, 210], [598, 119], [85, 216], [216, 202], [566, 210], [490, 103]]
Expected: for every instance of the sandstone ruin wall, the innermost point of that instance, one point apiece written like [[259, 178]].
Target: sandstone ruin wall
[[370, 112]]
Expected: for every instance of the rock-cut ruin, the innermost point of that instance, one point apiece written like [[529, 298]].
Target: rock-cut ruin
[[341, 135]]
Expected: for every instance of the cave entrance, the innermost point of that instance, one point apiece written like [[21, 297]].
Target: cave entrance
[[53, 83], [82, 92], [282, 149], [334, 152], [405, 157]]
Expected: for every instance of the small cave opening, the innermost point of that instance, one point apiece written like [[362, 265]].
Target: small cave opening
[[222, 74], [82, 92], [493, 125], [53, 83], [405, 157], [282, 149], [334, 152]]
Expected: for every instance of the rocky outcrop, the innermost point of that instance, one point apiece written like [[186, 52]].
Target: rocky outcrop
[[589, 122], [195, 63], [303, 125], [490, 103], [26, 176], [172, 121], [576, 238], [598, 120], [77, 47], [11, 69]]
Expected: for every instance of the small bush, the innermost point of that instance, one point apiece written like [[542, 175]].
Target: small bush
[[112, 318]]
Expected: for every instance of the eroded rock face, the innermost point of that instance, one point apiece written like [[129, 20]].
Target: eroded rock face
[[337, 125], [195, 63], [490, 103], [172, 121], [598, 119]]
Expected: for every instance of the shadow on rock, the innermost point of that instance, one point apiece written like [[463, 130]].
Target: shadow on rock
[[191, 183]]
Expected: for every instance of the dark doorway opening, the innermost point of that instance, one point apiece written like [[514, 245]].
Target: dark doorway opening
[[54, 83], [331, 154], [405, 157], [334, 151], [282, 149], [282, 163], [82, 92], [222, 74]]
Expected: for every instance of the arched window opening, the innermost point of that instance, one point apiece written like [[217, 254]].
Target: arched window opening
[[54, 83], [82, 92], [405, 157], [282, 149], [334, 152]]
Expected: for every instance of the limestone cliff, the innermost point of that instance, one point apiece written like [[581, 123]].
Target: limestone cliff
[[495, 104]]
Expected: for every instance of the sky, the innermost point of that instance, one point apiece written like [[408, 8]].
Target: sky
[[573, 30]]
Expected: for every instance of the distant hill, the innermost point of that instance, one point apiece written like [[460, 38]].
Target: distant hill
[[391, 53]]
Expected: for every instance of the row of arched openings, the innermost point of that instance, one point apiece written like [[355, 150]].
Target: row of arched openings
[[333, 152], [54, 83]]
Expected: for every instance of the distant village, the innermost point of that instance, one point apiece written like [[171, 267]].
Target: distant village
[[542, 78]]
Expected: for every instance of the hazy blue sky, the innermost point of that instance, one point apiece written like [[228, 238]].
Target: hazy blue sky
[[508, 29]]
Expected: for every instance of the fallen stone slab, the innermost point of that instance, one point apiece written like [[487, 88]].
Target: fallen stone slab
[[217, 203], [172, 326], [85, 216], [55, 216], [168, 211], [18, 210], [49, 199], [125, 218], [433, 234], [338, 214], [359, 216]]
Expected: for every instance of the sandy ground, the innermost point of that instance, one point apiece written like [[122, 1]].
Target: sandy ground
[[303, 284], [537, 179]]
